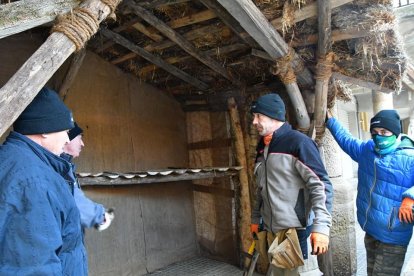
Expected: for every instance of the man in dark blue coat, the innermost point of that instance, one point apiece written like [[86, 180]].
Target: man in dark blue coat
[[40, 229]]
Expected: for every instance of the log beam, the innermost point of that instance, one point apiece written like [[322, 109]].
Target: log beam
[[23, 15], [154, 59], [24, 85]]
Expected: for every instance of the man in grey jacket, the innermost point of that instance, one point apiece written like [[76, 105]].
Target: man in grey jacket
[[294, 192]]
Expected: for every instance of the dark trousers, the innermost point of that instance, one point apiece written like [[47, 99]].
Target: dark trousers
[[383, 259]]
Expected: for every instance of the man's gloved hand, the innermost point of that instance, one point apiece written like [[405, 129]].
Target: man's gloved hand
[[319, 243], [108, 217], [254, 229], [406, 210]]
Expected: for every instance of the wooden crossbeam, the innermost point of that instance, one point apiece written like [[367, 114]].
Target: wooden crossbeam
[[154, 59], [362, 83], [181, 41]]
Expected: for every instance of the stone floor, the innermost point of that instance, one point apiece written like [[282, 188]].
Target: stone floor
[[199, 266]]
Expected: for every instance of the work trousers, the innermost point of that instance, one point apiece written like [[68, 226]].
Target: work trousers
[[383, 259]]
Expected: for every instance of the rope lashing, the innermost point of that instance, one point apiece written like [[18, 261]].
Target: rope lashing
[[324, 66], [78, 25], [283, 68]]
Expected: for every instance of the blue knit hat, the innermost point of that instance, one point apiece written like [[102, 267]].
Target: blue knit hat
[[388, 119], [74, 132], [45, 114], [270, 105]]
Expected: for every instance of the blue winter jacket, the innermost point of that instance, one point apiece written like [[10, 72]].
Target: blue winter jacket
[[91, 213], [383, 182], [40, 230]]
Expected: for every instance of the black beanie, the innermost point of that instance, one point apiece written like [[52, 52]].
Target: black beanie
[[388, 119], [74, 132], [45, 114], [270, 105]]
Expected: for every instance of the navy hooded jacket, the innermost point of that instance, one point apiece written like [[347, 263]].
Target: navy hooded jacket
[[40, 229]]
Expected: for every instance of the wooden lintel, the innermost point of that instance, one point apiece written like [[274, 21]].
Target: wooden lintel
[[105, 181], [362, 83], [23, 15], [181, 41], [308, 11], [154, 59]]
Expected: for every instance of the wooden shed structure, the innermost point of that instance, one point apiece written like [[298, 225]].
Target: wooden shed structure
[[162, 89]]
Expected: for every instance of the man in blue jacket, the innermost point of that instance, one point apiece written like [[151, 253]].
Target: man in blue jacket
[[92, 214], [40, 229], [385, 189]]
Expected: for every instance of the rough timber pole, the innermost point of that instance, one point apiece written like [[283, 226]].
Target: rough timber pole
[[20, 90], [245, 209]]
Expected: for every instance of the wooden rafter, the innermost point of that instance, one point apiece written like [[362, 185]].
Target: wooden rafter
[[219, 51], [181, 41], [159, 46], [154, 59], [75, 65]]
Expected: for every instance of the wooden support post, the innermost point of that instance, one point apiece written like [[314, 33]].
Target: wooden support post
[[20, 90], [245, 208], [322, 68], [73, 71]]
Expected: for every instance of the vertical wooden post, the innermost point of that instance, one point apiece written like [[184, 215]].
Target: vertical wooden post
[[245, 208]]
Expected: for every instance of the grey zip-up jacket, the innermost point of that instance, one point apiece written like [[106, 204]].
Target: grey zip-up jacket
[[293, 187]]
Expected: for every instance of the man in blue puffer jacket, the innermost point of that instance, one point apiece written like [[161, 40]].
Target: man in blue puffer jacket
[[40, 229], [385, 189]]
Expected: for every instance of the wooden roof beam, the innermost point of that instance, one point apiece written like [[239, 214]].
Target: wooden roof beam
[[159, 46], [172, 60], [256, 24], [23, 15], [154, 59], [181, 41]]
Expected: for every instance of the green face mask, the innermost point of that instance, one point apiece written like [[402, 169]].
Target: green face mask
[[384, 142]]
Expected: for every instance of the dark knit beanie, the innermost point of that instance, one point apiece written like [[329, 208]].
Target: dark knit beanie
[[388, 119], [45, 114], [74, 132], [270, 105]]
